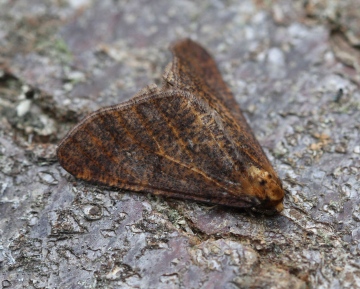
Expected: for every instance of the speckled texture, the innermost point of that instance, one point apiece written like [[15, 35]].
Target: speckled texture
[[186, 139], [60, 61]]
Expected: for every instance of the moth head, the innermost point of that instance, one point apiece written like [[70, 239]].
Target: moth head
[[267, 187]]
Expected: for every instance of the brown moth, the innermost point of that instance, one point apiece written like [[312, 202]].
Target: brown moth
[[187, 139]]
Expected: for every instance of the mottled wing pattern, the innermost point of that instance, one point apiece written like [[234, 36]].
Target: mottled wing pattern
[[187, 140], [193, 69], [170, 143]]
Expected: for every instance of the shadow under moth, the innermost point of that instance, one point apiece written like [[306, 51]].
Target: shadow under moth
[[186, 139]]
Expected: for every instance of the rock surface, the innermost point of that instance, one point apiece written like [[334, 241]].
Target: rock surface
[[295, 72]]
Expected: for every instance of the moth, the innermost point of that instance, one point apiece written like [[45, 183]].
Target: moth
[[186, 139]]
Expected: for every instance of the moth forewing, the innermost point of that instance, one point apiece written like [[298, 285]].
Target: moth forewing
[[187, 140]]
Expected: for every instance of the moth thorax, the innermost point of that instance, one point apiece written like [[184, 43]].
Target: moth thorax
[[266, 185]]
